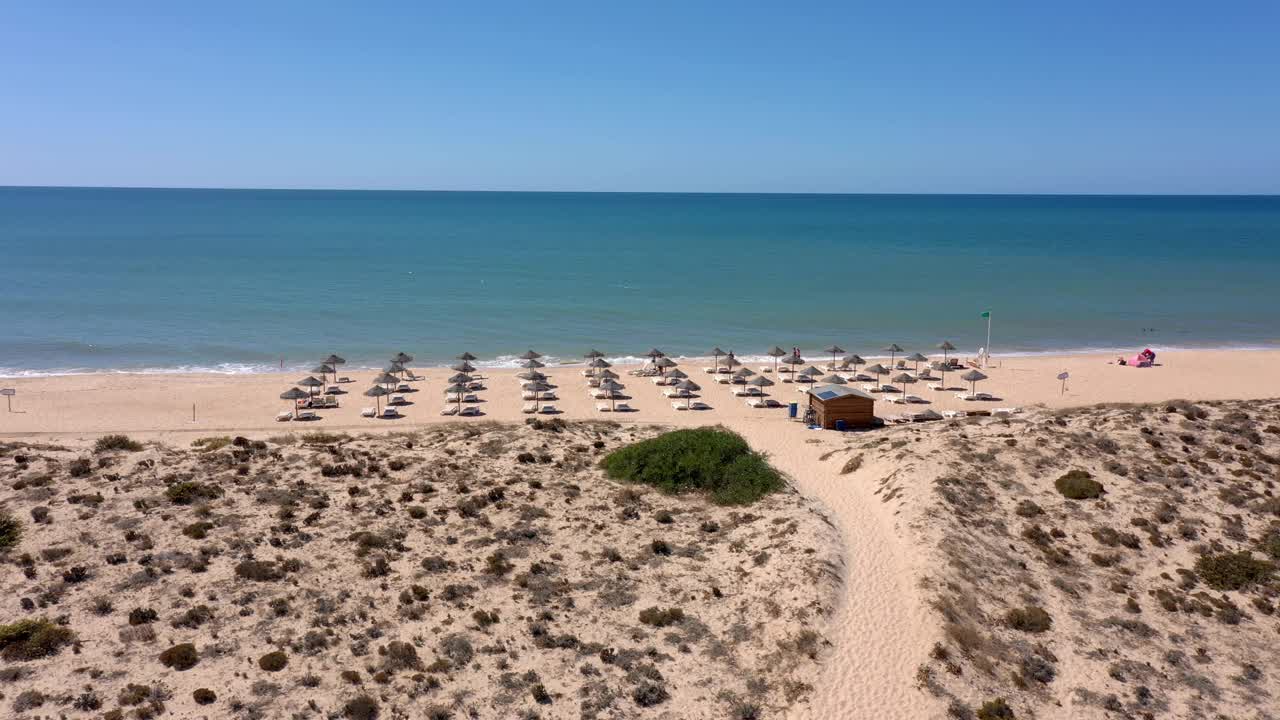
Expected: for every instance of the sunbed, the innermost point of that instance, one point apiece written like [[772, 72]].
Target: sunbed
[[369, 412], [390, 413], [403, 388], [449, 410], [529, 408], [344, 379], [756, 402], [308, 415], [397, 400], [286, 415], [913, 399], [604, 407], [936, 386], [549, 410], [469, 410], [872, 388], [622, 407]]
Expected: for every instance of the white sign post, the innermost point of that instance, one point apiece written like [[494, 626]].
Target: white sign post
[[1063, 377], [8, 394]]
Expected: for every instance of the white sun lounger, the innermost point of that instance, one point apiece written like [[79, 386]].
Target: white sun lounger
[[892, 399], [953, 414], [622, 407], [286, 415], [549, 395], [936, 386], [549, 410], [449, 410], [724, 379], [332, 390], [529, 408], [974, 396], [603, 407], [403, 388], [470, 410], [452, 397], [872, 388], [766, 369], [369, 412], [757, 402], [308, 415], [677, 393], [344, 379], [913, 399], [710, 370], [390, 413], [678, 405], [397, 400]]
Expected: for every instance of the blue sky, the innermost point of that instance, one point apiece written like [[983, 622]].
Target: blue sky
[[1095, 97]]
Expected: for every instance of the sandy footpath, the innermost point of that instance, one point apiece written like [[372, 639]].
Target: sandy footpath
[[882, 627]]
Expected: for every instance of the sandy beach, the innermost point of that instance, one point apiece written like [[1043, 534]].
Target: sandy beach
[[882, 625]]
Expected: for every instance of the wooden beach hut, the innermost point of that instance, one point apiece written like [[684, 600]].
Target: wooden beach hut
[[849, 406]]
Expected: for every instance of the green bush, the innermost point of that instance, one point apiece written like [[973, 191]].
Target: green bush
[[1233, 571], [209, 444], [1078, 485], [273, 661], [10, 531], [659, 617], [32, 639], [711, 460], [116, 442]]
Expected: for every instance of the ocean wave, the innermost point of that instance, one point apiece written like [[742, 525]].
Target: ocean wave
[[507, 362]]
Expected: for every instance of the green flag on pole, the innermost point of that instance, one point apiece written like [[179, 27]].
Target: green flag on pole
[[986, 313]]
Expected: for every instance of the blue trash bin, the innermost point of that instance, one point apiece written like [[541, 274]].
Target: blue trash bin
[[840, 425], [793, 409]]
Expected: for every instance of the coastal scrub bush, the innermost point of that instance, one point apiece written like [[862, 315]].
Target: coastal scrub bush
[[1030, 619], [10, 531], [116, 442], [1078, 485], [1233, 571], [712, 460], [273, 661], [180, 657], [32, 639], [209, 444], [996, 709], [659, 617], [361, 707], [190, 492]]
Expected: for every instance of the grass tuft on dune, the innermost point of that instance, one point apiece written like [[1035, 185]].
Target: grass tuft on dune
[[711, 460]]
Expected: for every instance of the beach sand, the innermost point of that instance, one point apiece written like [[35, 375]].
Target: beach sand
[[882, 627]]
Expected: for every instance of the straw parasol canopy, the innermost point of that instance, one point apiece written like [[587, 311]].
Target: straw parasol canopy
[[463, 367], [776, 352], [855, 360], [760, 381], [295, 395], [402, 358], [531, 376], [877, 369], [716, 353], [917, 358], [311, 382], [386, 378], [607, 374], [529, 355], [834, 351], [904, 378], [324, 369], [655, 353], [677, 374], [599, 363], [664, 362], [945, 346], [743, 373], [335, 360], [732, 362], [893, 350], [537, 388], [612, 388], [377, 392], [791, 360], [689, 387], [456, 389], [973, 377], [532, 364], [394, 368], [466, 357], [811, 371], [593, 354], [833, 379], [942, 368], [460, 379]]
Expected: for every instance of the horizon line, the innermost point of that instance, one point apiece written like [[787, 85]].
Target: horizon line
[[631, 192]]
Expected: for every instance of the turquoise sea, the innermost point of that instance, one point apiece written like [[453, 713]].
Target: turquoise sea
[[244, 280]]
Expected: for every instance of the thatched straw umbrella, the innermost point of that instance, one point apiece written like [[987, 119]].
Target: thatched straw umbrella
[[742, 374], [529, 355], [716, 353], [593, 354], [394, 368], [792, 360], [295, 395], [677, 373], [334, 361], [386, 379], [663, 363], [532, 364], [655, 353], [456, 389], [945, 346], [942, 371], [689, 387], [877, 370], [892, 350], [537, 388], [460, 379], [904, 378], [531, 376], [311, 382], [916, 358], [325, 369], [612, 388], [810, 372], [854, 360], [834, 351], [776, 352], [760, 381], [466, 357], [377, 392], [833, 379], [973, 377], [462, 367], [732, 362], [402, 358]]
